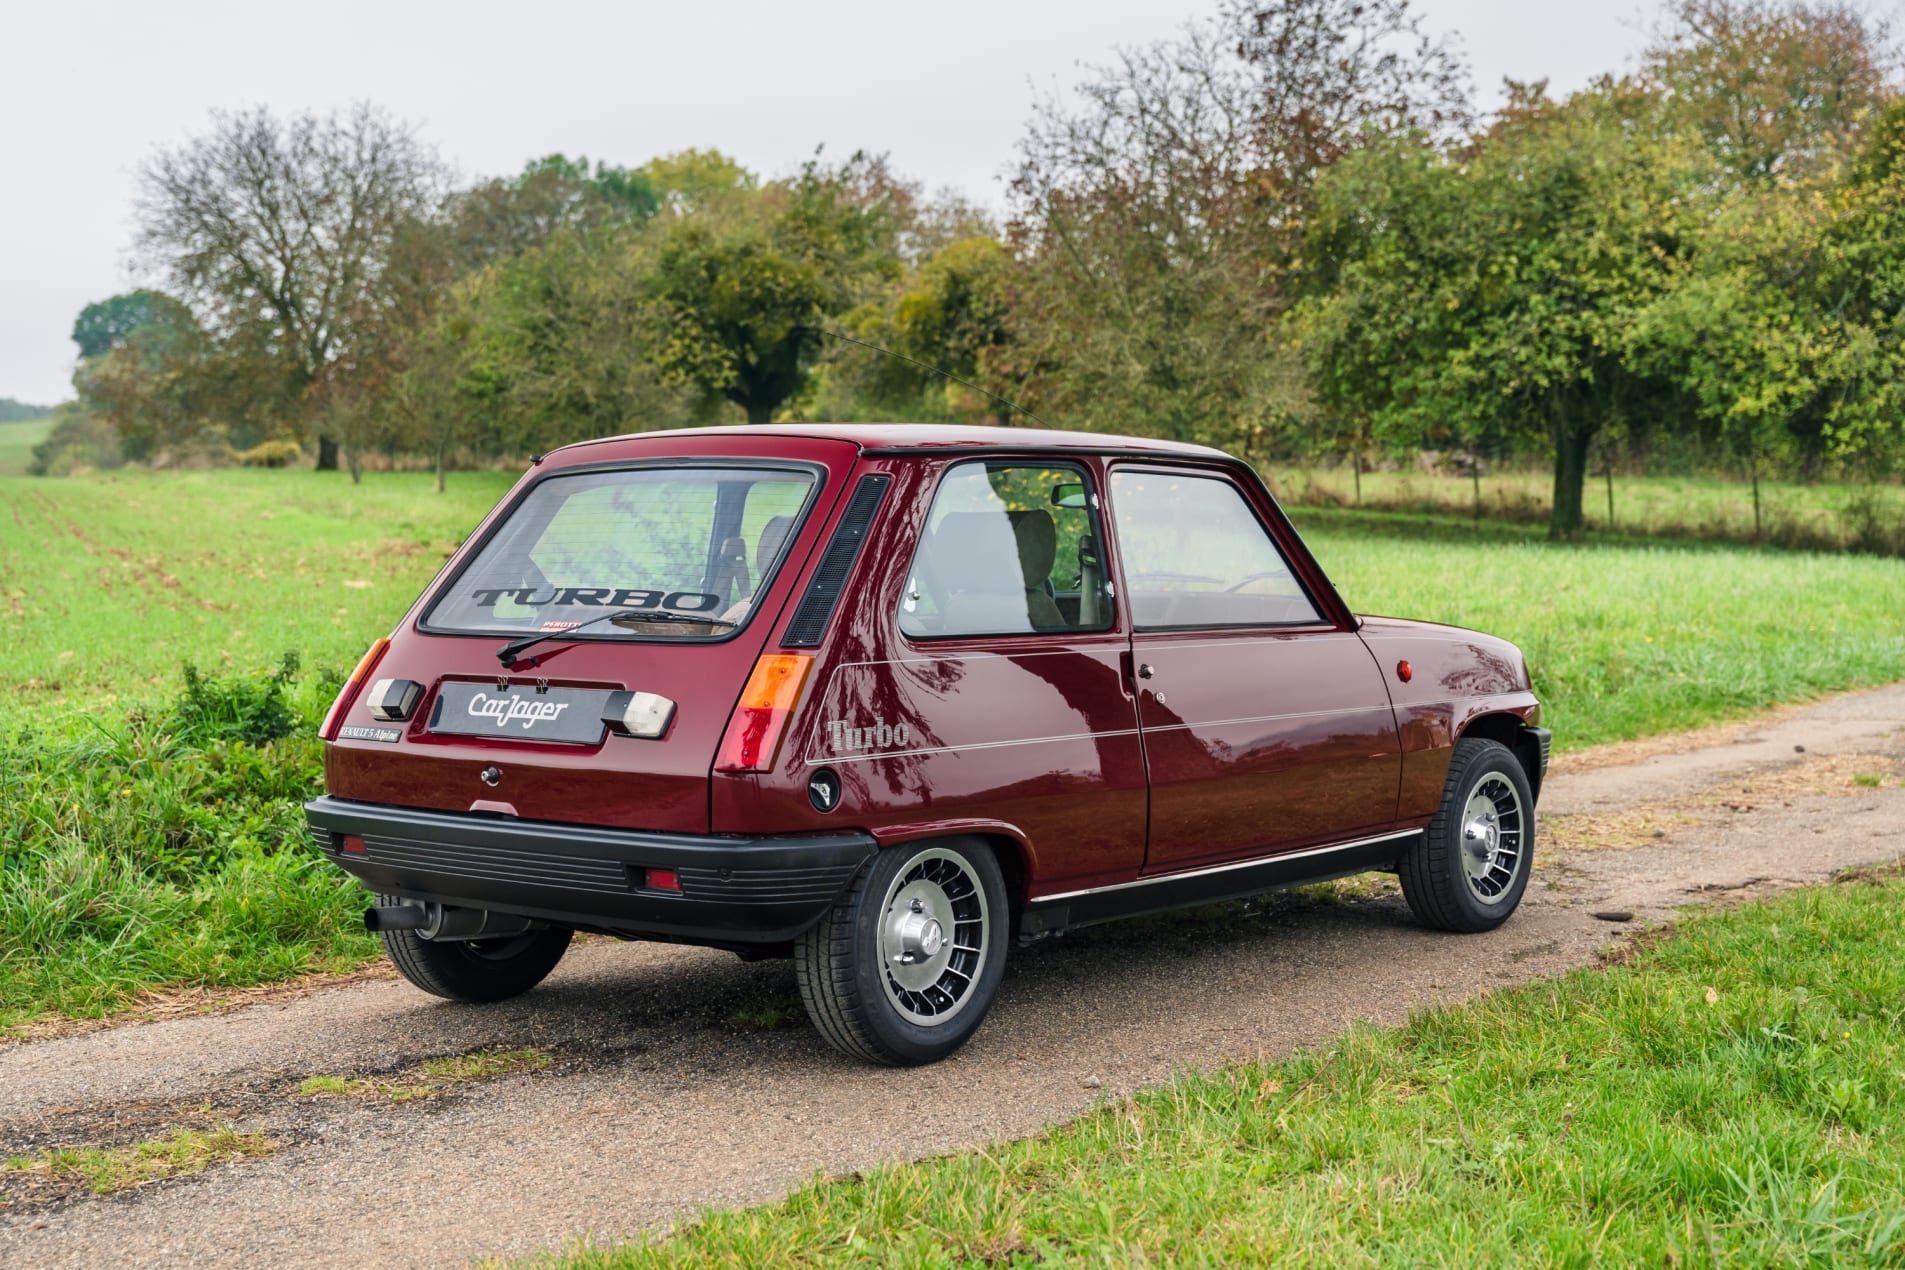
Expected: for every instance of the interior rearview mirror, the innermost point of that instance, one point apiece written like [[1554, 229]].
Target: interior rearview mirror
[[1068, 495]]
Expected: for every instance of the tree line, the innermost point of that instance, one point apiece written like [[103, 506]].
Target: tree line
[[1287, 231]]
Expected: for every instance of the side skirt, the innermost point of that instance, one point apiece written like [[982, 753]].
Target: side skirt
[[1050, 914]]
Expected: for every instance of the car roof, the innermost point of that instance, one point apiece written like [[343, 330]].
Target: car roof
[[928, 437]]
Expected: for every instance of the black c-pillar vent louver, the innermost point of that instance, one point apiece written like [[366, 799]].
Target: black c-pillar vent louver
[[823, 589]]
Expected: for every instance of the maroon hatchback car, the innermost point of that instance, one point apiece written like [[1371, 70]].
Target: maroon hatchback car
[[892, 699]]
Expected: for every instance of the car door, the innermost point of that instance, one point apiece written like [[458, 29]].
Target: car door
[[1266, 726], [999, 696]]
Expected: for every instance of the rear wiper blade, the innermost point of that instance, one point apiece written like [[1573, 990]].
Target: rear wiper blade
[[636, 616], [509, 652]]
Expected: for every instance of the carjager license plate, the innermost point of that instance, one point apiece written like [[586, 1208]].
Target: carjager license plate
[[521, 712]]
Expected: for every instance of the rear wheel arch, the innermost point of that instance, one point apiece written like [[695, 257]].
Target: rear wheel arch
[[1017, 860]]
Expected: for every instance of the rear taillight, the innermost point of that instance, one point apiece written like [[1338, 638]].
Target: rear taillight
[[754, 733], [348, 693]]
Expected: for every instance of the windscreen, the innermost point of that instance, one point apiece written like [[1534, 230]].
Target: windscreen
[[676, 552]]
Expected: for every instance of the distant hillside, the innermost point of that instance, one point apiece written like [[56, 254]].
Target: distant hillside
[[12, 411]]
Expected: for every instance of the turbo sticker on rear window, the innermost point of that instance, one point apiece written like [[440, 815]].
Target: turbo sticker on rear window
[[597, 597]]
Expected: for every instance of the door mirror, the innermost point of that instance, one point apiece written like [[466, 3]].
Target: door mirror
[[1068, 496]]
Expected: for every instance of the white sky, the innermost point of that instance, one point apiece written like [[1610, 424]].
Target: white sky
[[92, 89]]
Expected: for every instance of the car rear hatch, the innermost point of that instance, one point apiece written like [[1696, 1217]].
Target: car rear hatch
[[661, 578]]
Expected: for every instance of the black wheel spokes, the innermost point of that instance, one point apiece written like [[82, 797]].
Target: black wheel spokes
[[1492, 837], [1507, 854]]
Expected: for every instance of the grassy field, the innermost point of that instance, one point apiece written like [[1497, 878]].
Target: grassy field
[[110, 580], [1827, 516], [1732, 1097], [16, 444], [1631, 639], [154, 835]]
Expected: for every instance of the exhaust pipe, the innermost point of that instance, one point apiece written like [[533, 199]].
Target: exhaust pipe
[[438, 921], [395, 917]]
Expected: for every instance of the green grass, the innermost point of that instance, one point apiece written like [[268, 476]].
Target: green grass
[[430, 1078], [1632, 639], [1732, 1097], [482, 1065], [16, 444], [106, 1170], [108, 581], [1821, 515], [114, 578], [166, 846]]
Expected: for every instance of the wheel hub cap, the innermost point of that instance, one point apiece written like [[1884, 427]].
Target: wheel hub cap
[[918, 935], [935, 938]]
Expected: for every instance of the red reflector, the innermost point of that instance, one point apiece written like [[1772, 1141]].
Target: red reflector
[[1404, 672], [663, 880], [353, 845]]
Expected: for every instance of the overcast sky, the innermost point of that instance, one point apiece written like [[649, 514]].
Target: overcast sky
[[945, 89]]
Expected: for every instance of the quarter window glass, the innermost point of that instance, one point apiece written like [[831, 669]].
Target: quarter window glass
[[1196, 555], [1009, 549]]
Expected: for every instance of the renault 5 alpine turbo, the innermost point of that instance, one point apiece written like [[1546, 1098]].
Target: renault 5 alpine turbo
[[891, 700]]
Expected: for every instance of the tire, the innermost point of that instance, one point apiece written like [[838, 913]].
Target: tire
[[475, 970], [1468, 871], [942, 904]]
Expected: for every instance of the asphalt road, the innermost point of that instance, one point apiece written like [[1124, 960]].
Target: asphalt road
[[673, 1087]]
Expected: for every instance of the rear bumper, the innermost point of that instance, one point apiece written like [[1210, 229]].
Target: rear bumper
[[734, 890]]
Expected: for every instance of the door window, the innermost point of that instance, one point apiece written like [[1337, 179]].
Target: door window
[[1009, 549], [1195, 555]]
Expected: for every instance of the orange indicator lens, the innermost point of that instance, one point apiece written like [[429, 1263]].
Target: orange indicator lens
[[754, 733]]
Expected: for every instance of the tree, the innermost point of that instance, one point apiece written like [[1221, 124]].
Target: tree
[[951, 314], [167, 389], [738, 295], [550, 347], [1160, 215], [504, 217], [277, 232], [1773, 86], [1328, 75], [1499, 289], [106, 325]]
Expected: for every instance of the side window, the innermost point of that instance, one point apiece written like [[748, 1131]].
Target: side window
[[1009, 549], [1196, 555]]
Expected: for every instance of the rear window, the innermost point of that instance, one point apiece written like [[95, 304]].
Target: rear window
[[676, 552]]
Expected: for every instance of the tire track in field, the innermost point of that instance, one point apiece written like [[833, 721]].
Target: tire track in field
[[140, 571]]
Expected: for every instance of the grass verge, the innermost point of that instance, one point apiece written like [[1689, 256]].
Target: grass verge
[[107, 1170], [167, 847], [1731, 1095]]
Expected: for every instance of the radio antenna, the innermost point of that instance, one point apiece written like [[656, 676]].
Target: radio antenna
[[1007, 401]]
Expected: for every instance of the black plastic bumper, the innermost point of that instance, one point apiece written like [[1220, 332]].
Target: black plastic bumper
[[734, 890], [1537, 742]]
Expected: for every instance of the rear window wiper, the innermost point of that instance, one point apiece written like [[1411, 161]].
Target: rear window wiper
[[635, 617], [509, 652]]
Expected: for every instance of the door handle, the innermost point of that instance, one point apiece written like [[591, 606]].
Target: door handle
[[1144, 670]]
